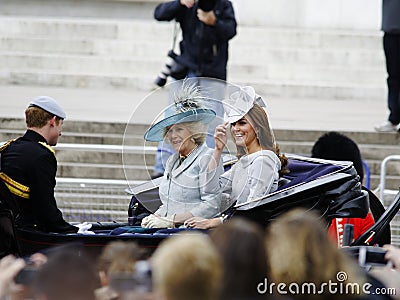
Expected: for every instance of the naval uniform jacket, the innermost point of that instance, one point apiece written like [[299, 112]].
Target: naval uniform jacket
[[183, 187], [30, 161]]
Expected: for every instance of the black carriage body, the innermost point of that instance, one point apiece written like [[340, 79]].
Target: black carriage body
[[330, 187]]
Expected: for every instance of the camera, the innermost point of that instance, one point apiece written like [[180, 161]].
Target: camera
[[26, 275], [161, 79], [207, 5], [367, 256], [171, 68]]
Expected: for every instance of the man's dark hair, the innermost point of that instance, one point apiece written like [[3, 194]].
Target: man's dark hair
[[336, 146]]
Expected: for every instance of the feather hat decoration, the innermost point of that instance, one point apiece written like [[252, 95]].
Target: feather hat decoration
[[188, 106]]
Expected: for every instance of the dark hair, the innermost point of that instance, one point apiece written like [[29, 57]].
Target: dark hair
[[336, 146]]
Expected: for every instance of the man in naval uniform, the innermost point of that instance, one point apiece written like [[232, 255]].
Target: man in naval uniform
[[28, 168]]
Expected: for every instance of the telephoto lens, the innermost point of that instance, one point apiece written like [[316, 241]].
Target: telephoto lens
[[161, 79]]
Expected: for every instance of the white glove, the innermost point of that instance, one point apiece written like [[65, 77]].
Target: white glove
[[146, 220], [161, 222], [84, 228]]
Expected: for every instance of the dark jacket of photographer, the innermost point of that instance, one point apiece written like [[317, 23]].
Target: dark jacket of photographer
[[204, 48]]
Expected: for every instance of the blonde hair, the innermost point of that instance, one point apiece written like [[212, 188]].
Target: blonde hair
[[37, 117], [119, 256], [187, 267], [300, 251]]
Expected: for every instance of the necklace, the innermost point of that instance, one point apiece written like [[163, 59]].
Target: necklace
[[183, 157]]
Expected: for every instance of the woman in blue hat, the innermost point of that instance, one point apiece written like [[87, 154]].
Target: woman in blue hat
[[260, 164], [183, 187]]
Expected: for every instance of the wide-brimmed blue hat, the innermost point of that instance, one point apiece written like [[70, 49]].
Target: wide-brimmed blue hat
[[188, 109]]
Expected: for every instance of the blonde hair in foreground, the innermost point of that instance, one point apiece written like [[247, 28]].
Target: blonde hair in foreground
[[300, 251], [187, 267]]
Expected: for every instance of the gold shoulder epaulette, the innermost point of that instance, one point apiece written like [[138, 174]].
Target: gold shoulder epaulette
[[48, 147], [5, 145], [15, 187]]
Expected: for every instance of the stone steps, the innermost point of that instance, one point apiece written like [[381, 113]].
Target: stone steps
[[281, 63], [121, 66], [112, 53], [240, 53], [103, 171], [271, 88], [145, 30], [368, 151]]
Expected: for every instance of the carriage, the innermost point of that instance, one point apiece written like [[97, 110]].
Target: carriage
[[330, 187]]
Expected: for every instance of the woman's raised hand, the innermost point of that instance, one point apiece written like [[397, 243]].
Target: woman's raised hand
[[220, 136]]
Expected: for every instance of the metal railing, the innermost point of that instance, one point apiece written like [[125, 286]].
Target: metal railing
[[382, 181], [106, 148], [386, 196], [92, 199]]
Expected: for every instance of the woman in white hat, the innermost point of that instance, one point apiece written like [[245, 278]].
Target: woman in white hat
[[183, 187], [260, 164]]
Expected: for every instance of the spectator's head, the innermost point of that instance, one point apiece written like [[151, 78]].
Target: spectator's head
[[241, 247], [336, 146], [187, 267], [299, 251], [66, 275], [118, 257]]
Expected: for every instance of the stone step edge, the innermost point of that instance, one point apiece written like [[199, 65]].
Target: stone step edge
[[107, 21], [5, 74]]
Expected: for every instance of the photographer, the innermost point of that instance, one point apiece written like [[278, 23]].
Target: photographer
[[207, 26]]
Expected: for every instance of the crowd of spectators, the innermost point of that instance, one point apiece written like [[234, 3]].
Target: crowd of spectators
[[293, 259]]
